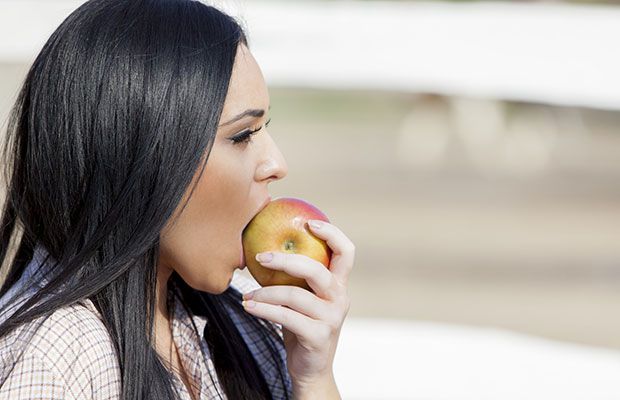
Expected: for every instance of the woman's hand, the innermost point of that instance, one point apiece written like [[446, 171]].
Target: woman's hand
[[311, 321]]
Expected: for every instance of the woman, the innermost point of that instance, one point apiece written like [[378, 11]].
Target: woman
[[136, 153]]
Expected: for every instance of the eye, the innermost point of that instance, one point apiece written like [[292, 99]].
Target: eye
[[246, 135]]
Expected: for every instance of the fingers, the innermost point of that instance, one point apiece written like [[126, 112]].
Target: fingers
[[304, 327], [315, 318], [293, 297], [342, 247], [319, 278]]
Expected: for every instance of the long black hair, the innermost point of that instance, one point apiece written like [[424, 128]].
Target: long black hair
[[116, 114]]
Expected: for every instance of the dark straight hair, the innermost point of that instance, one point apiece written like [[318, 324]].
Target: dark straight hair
[[116, 114]]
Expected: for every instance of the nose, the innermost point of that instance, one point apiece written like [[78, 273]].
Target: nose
[[272, 166]]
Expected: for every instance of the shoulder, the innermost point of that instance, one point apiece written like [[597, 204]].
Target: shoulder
[[73, 349]]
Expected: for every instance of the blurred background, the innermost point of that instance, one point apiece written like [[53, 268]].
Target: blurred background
[[471, 152]]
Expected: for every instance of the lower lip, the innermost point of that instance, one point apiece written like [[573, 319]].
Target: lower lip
[[242, 259]]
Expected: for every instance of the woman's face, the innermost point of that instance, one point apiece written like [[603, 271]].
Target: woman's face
[[204, 245]]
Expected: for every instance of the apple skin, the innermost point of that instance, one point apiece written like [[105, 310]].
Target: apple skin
[[282, 227]]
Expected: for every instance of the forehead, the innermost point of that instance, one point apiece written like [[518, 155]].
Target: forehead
[[247, 87]]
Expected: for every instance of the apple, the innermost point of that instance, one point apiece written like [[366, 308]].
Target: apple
[[282, 227]]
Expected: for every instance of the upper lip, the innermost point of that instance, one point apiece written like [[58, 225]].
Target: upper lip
[[267, 201], [262, 206]]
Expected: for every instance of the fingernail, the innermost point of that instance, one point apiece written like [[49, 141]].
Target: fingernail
[[316, 224], [248, 295], [264, 257], [248, 304]]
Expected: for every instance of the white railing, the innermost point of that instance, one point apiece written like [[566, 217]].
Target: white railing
[[552, 53]]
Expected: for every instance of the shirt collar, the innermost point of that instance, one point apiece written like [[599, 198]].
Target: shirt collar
[[34, 277]]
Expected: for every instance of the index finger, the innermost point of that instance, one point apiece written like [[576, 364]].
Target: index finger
[[343, 249]]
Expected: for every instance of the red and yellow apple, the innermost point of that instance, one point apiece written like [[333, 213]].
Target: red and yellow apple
[[282, 227]]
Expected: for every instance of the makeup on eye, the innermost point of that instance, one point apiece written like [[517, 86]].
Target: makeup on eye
[[245, 136]]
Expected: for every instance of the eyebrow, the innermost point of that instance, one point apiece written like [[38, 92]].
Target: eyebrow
[[253, 112]]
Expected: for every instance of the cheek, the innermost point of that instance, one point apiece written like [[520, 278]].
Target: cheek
[[204, 244], [223, 194]]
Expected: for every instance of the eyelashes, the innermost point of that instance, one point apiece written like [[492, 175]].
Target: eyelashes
[[246, 135]]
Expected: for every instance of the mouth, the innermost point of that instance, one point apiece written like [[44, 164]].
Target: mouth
[[242, 263], [261, 208]]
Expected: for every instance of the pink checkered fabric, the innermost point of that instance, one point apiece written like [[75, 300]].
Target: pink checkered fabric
[[71, 355]]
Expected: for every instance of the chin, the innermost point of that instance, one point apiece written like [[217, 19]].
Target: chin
[[221, 291], [222, 285], [219, 287], [214, 286]]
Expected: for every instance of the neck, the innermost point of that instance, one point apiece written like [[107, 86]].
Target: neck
[[162, 340], [161, 309]]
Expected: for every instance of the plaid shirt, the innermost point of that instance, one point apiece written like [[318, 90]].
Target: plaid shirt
[[71, 355]]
